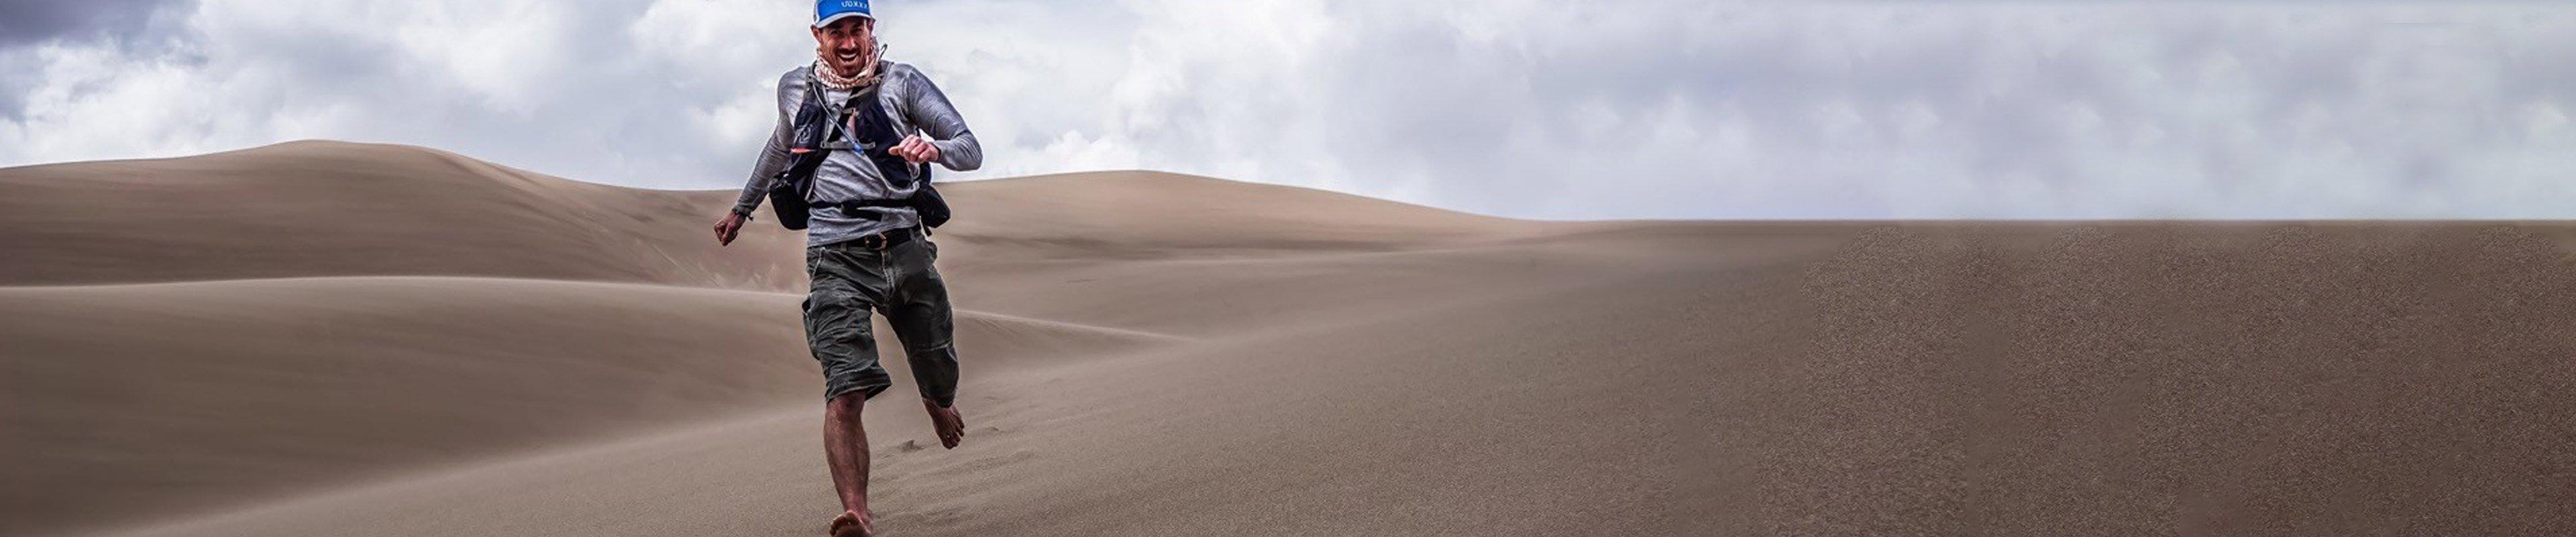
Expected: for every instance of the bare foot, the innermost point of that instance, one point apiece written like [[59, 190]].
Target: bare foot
[[853, 524], [952, 429]]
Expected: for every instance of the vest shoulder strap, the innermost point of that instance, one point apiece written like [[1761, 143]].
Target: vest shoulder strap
[[811, 124]]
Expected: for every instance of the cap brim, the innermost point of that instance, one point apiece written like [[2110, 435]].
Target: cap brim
[[827, 21]]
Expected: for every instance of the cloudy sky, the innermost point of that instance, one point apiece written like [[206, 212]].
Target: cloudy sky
[[1558, 109]]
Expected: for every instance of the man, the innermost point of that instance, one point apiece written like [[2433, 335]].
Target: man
[[864, 252]]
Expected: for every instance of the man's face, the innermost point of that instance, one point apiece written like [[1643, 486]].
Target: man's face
[[845, 42]]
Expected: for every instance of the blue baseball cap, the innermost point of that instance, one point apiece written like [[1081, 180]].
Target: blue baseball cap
[[827, 12]]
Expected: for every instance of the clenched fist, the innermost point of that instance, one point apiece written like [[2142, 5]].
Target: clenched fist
[[729, 227], [915, 149]]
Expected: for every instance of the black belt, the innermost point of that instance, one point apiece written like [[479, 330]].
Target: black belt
[[882, 239]]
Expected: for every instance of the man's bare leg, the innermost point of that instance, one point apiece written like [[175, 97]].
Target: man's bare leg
[[951, 427], [845, 448]]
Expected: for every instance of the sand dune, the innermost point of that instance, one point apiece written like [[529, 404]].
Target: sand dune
[[502, 353], [275, 386], [337, 209]]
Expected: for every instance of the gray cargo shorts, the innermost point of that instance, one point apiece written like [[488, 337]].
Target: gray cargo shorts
[[850, 280]]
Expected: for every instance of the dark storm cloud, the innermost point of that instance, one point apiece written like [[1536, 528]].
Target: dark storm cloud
[[31, 21], [25, 24]]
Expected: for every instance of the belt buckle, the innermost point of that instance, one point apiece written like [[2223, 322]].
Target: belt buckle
[[873, 242]]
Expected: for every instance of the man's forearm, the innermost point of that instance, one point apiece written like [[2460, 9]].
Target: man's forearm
[[751, 195], [774, 158], [961, 153]]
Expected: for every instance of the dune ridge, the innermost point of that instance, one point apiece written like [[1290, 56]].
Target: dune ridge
[[1153, 354], [327, 314]]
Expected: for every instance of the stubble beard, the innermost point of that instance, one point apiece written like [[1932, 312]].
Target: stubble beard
[[849, 67]]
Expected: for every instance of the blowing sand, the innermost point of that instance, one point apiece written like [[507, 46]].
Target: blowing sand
[[339, 339]]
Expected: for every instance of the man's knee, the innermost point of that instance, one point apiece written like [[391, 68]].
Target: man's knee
[[847, 404], [944, 356]]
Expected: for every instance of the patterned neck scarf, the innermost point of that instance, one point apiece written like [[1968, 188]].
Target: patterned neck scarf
[[867, 72]]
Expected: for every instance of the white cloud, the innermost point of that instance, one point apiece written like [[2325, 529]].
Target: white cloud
[[1628, 108]]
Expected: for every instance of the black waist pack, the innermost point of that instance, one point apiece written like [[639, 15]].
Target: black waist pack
[[871, 134]]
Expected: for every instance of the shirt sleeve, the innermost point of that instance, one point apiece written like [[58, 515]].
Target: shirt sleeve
[[929, 109], [774, 156]]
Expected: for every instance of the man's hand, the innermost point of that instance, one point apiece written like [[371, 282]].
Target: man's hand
[[915, 149], [728, 228]]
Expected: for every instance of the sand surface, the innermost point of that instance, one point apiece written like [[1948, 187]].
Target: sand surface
[[322, 338]]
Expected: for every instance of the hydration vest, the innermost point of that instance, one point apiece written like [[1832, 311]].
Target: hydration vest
[[871, 134]]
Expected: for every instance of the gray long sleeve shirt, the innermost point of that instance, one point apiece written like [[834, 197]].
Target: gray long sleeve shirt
[[913, 103]]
